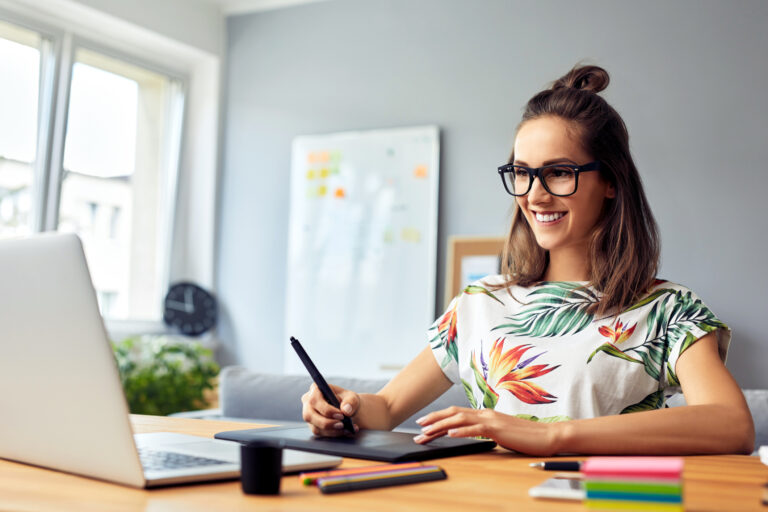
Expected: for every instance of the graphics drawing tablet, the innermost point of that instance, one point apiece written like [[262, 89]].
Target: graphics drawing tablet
[[381, 445]]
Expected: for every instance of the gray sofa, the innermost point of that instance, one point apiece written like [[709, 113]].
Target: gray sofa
[[246, 394], [268, 398]]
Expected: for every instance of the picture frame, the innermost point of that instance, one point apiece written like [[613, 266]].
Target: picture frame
[[471, 258]]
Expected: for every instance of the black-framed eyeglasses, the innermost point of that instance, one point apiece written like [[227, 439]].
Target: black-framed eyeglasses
[[558, 179]]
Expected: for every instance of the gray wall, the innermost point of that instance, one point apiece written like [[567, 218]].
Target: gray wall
[[689, 77]]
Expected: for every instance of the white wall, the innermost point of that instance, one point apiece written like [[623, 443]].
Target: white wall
[[198, 23]]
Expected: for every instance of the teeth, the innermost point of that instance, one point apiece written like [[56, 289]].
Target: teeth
[[548, 218]]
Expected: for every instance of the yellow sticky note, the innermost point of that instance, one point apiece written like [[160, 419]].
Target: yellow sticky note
[[311, 174], [410, 235], [324, 173], [322, 190]]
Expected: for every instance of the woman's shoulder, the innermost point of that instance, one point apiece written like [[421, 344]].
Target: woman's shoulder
[[665, 287], [670, 294], [493, 287], [499, 291]]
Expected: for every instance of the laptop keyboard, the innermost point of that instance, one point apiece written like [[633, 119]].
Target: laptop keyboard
[[156, 460]]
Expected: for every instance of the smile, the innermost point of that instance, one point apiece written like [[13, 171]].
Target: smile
[[549, 218]]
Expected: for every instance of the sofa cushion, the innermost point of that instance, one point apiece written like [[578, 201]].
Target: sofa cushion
[[247, 394]]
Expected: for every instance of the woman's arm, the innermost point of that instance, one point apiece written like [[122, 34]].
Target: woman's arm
[[416, 386], [716, 420]]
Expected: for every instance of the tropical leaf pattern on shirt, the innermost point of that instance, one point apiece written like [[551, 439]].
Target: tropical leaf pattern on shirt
[[474, 289], [445, 330], [553, 309], [470, 394], [653, 401], [443, 334], [550, 322], [548, 419], [672, 317]]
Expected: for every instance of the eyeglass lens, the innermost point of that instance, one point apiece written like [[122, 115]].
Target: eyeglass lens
[[557, 180]]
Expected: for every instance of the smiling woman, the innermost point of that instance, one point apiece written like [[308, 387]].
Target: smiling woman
[[576, 333]]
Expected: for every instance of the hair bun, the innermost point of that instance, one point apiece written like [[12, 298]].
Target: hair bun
[[585, 78]]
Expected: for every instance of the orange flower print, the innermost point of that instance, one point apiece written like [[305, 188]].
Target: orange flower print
[[447, 329], [507, 372], [618, 334]]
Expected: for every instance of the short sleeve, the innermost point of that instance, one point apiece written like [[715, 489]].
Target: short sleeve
[[443, 338], [689, 320]]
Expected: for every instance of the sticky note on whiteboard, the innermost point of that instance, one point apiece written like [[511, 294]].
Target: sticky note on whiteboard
[[410, 235], [420, 172]]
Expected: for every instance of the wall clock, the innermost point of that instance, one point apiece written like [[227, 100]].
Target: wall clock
[[189, 308]]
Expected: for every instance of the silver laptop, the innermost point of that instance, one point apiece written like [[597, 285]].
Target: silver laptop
[[62, 404]]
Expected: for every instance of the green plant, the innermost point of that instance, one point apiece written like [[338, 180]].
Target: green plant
[[162, 374]]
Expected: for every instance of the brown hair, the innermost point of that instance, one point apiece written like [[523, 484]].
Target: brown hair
[[624, 246]]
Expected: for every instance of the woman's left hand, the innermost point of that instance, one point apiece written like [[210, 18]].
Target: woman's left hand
[[513, 433]]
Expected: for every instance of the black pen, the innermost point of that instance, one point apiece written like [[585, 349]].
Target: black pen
[[322, 385], [563, 465]]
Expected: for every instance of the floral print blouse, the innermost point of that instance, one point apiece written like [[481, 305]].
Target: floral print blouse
[[538, 353]]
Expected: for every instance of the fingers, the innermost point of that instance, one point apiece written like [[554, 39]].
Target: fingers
[[350, 402], [434, 417], [323, 418], [454, 421], [469, 431], [425, 438]]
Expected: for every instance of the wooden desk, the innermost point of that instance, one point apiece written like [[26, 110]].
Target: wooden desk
[[493, 481]]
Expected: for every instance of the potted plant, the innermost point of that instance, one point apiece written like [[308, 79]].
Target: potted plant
[[165, 374]]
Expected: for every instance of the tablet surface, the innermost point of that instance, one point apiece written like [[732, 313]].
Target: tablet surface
[[381, 445]]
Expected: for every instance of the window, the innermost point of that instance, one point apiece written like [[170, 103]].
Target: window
[[102, 162], [20, 58], [118, 169]]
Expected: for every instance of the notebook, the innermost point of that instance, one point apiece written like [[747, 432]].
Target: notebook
[[63, 406], [380, 445]]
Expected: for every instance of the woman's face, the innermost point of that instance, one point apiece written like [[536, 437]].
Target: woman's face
[[543, 141]]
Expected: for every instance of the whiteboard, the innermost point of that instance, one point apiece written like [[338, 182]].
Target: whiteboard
[[362, 246]]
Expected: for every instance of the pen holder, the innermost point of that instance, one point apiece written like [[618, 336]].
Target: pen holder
[[261, 467]]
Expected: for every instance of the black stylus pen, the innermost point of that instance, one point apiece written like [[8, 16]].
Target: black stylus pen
[[562, 465], [322, 385]]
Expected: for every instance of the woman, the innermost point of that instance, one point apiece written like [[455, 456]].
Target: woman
[[576, 345]]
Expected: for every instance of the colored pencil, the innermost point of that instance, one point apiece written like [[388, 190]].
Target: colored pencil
[[380, 479], [312, 477]]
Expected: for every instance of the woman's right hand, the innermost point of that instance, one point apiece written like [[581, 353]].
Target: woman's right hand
[[325, 419]]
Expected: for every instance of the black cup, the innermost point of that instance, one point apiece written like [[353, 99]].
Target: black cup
[[261, 467]]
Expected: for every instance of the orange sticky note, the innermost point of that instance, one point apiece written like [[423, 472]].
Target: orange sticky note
[[420, 171], [340, 193]]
